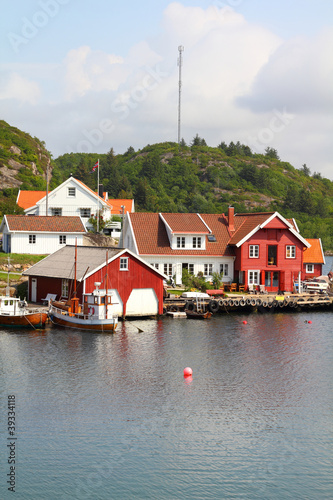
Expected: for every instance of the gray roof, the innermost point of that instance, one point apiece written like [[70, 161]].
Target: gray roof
[[60, 264]]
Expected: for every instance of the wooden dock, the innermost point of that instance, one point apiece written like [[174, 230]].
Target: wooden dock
[[262, 302]]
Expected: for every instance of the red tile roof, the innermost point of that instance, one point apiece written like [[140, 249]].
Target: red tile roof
[[152, 238], [185, 223], [27, 199], [40, 223], [116, 206], [314, 254]]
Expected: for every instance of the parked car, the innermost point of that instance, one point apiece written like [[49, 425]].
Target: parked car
[[316, 285]]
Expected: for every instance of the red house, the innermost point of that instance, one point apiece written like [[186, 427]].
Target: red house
[[137, 286], [268, 250]]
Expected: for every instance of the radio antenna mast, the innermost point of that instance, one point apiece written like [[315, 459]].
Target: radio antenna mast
[[180, 63]]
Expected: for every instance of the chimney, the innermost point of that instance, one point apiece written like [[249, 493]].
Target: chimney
[[100, 190], [231, 213]]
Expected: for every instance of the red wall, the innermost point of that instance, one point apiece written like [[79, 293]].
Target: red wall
[[281, 237], [317, 271], [137, 276]]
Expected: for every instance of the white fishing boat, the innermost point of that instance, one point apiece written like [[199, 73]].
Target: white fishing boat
[[95, 313]]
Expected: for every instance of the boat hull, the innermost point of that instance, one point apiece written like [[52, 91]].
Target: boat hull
[[28, 320], [198, 315], [84, 324]]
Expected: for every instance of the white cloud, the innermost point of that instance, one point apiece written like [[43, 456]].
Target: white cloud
[[14, 86], [235, 76]]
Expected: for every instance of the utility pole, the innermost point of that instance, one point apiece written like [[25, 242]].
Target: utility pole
[[180, 63]]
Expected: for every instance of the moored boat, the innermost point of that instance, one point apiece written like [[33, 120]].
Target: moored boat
[[15, 312], [198, 314], [95, 314]]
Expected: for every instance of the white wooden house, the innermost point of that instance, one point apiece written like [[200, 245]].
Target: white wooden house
[[40, 235], [71, 198], [173, 242]]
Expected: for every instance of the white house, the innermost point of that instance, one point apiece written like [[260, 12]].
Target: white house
[[71, 198], [173, 242], [40, 235]]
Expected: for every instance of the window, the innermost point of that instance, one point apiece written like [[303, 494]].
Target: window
[[254, 251], [32, 239], [180, 241], [124, 263], [64, 288], [196, 242], [290, 252], [191, 268], [85, 212], [156, 265], [224, 269], [62, 239], [253, 277], [167, 269], [56, 211], [309, 268], [208, 269], [71, 192], [272, 255], [211, 238]]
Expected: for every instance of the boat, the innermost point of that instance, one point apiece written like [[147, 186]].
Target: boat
[[198, 314], [197, 310], [95, 314], [15, 312]]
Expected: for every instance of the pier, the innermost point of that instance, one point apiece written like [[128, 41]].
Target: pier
[[261, 302]]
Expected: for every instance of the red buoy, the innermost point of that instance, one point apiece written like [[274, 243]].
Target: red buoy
[[244, 322], [188, 372], [310, 322]]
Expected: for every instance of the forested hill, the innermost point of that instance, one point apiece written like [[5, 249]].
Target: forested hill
[[170, 178]]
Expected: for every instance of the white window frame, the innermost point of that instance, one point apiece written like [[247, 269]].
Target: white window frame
[[64, 288], [56, 211], [196, 242], [290, 251], [32, 239], [62, 239], [208, 269], [180, 241], [167, 269], [71, 192], [254, 251], [123, 264], [84, 211], [309, 268], [253, 277], [224, 268], [155, 264]]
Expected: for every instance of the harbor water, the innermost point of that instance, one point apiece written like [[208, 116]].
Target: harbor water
[[112, 416]]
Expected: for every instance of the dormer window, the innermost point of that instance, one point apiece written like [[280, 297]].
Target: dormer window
[[196, 242], [180, 241], [71, 192]]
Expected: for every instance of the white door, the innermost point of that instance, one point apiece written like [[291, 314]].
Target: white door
[[142, 302], [33, 290]]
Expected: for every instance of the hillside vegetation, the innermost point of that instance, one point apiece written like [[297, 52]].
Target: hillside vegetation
[[177, 178], [171, 178]]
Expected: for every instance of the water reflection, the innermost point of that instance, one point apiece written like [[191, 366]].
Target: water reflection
[[115, 412]]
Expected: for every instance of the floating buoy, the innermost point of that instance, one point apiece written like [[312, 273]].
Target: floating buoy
[[188, 372], [310, 322], [244, 322]]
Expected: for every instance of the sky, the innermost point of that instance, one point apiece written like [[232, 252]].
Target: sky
[[88, 76]]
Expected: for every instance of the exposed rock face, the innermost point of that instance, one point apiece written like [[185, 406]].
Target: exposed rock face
[[14, 149], [15, 164]]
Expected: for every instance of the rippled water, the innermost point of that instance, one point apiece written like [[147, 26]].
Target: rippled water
[[111, 416]]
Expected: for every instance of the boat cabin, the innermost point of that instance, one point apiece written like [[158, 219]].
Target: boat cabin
[[99, 303]]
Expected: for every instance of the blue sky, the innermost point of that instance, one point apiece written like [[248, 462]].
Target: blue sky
[[91, 75]]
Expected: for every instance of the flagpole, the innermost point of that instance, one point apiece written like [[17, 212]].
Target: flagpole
[[98, 196]]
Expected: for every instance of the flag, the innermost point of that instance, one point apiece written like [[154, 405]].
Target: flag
[[94, 167]]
